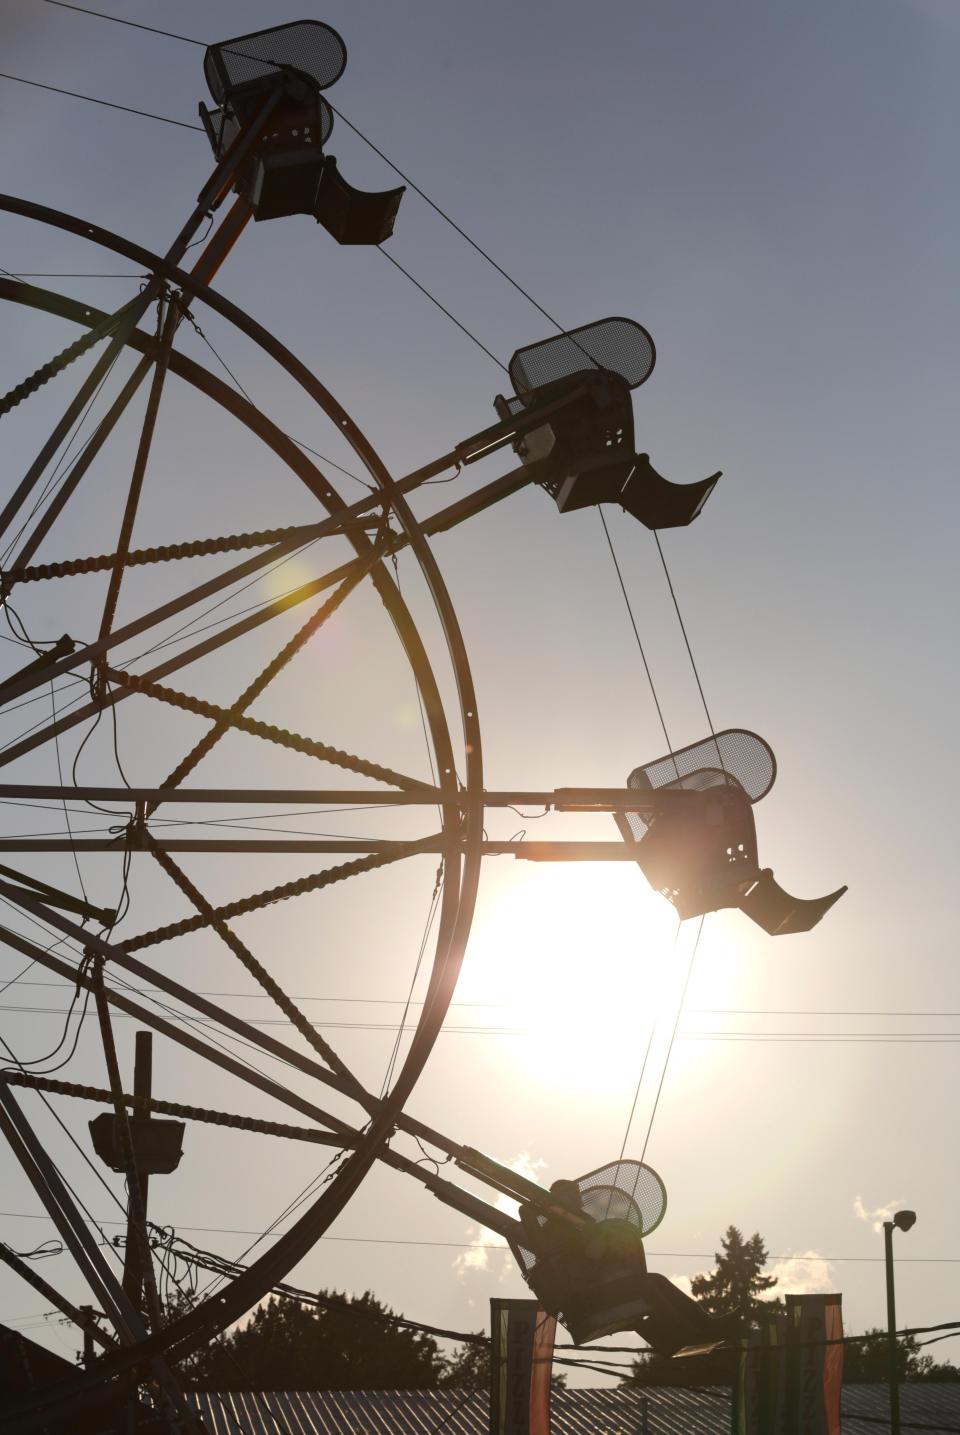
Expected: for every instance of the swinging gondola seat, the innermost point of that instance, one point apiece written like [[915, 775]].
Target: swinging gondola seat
[[584, 454], [593, 1275], [773, 909], [657, 502], [287, 171], [700, 850]]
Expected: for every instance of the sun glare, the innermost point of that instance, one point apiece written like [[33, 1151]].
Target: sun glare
[[581, 958]]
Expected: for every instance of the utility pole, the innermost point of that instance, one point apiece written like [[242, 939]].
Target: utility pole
[[903, 1220], [142, 1087]]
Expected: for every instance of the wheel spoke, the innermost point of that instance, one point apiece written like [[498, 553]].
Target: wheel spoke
[[90, 451], [249, 961], [228, 717], [167, 328], [225, 719], [152, 1105], [195, 548], [189, 1040], [258, 900]]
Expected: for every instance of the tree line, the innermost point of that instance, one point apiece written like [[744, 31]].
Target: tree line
[[354, 1343]]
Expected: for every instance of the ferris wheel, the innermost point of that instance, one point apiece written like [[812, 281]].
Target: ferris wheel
[[115, 636]]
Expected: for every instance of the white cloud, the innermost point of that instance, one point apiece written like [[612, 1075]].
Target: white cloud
[[476, 1257], [806, 1273], [875, 1218], [484, 1243]]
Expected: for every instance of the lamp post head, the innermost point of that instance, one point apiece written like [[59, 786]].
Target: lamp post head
[[903, 1220]]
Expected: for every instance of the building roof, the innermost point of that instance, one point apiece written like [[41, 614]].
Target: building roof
[[461, 1412], [927, 1406]]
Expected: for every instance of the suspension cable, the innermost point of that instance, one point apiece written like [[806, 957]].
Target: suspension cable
[[636, 634], [673, 1034]]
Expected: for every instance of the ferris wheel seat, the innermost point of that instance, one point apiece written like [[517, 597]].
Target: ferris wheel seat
[[350, 215], [287, 171], [583, 454], [781, 915], [659, 503], [675, 1322], [700, 853], [597, 1283]]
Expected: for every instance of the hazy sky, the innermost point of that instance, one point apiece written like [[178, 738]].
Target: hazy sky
[[771, 190]]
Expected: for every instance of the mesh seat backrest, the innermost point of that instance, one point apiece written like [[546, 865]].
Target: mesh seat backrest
[[625, 1185], [620, 345], [609, 1203], [308, 46], [739, 754]]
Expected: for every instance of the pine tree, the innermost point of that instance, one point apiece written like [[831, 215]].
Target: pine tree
[[736, 1286]]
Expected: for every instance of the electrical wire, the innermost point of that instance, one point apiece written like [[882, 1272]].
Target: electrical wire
[[108, 104], [488, 1006], [132, 24], [822, 1038], [505, 1250]]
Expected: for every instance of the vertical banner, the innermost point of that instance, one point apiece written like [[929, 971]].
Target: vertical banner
[[788, 1378], [818, 1370], [760, 1402], [521, 1362]]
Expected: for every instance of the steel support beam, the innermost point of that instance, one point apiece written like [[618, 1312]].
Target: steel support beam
[[561, 799], [82, 1316], [526, 851], [342, 1133], [62, 1209]]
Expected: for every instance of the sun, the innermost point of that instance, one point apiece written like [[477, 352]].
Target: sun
[[578, 958]]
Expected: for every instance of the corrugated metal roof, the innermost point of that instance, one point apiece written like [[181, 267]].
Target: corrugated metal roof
[[457, 1412], [935, 1408], [928, 1404]]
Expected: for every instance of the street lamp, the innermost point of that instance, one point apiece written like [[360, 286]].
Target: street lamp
[[903, 1220]]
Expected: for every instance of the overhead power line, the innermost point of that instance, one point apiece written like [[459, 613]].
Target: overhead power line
[[94, 100], [490, 1006], [934, 1038], [132, 24], [505, 1250]]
